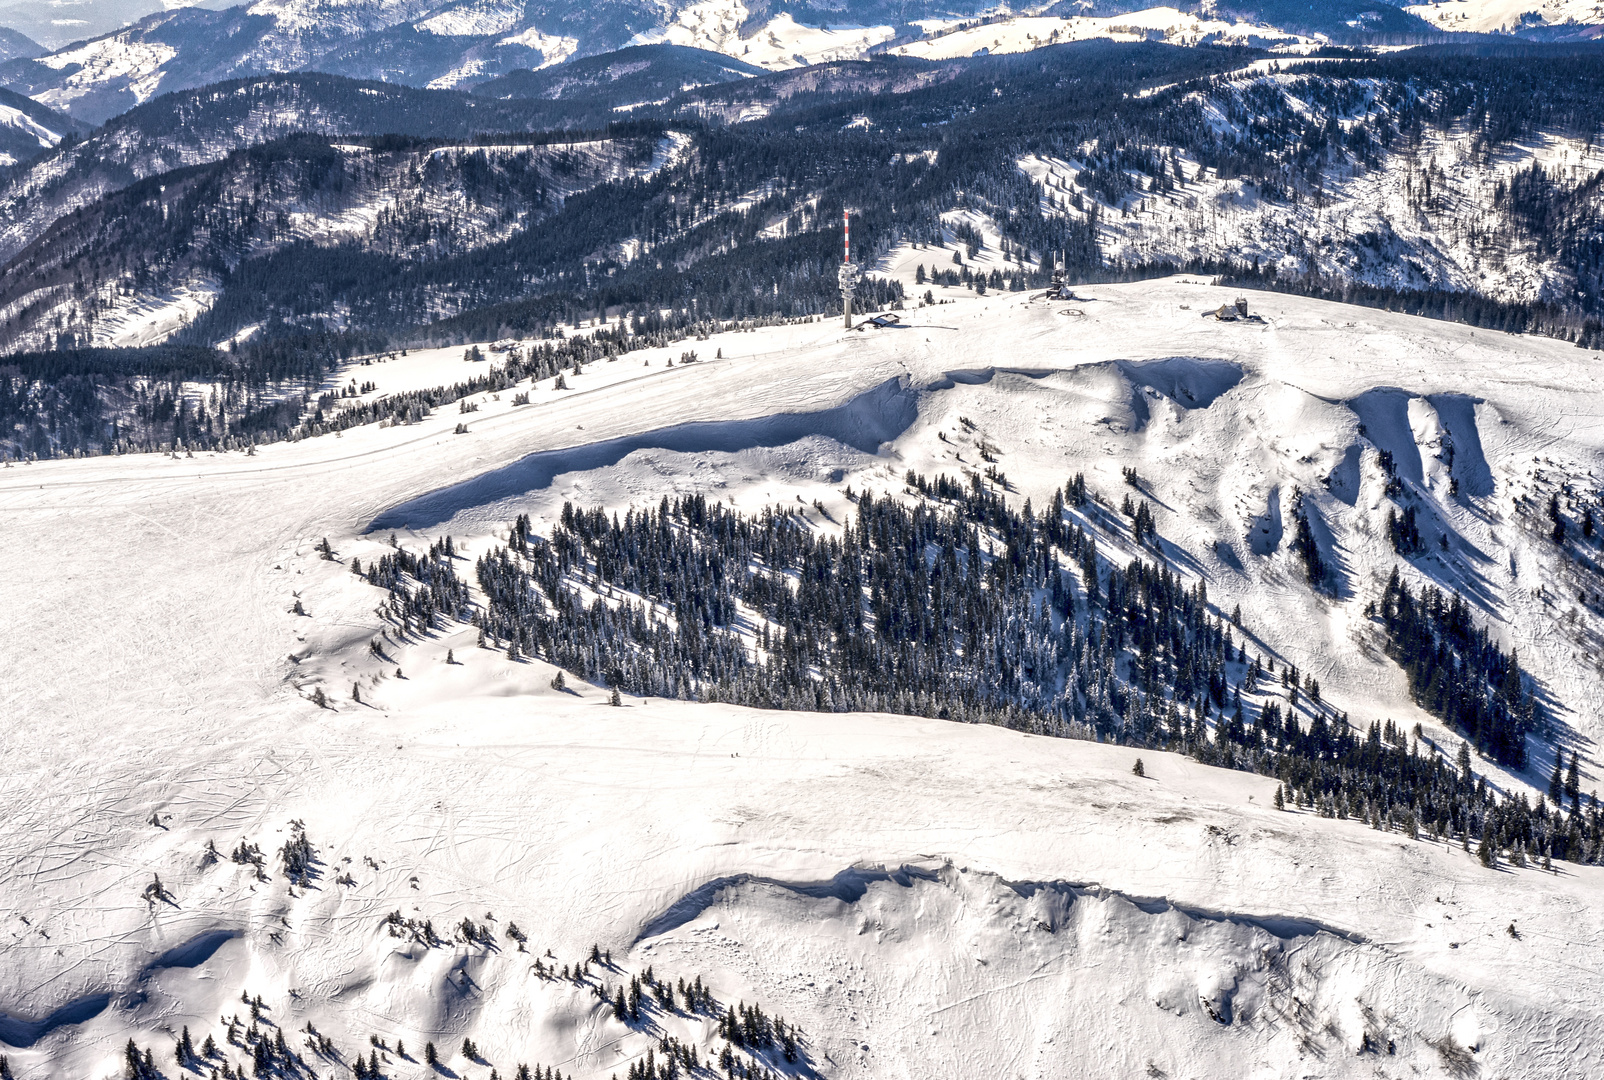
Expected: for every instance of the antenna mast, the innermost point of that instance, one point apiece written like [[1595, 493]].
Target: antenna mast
[[848, 275]]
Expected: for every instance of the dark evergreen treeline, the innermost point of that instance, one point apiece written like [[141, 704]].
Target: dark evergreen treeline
[[1304, 544], [589, 90], [1074, 101], [1456, 671], [431, 590], [97, 400], [217, 220], [260, 391], [705, 253], [754, 1040], [962, 607], [1403, 531], [1553, 320], [759, 1046], [265, 107], [936, 637], [1508, 97]]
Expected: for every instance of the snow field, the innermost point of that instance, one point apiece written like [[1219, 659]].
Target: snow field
[[149, 320], [780, 44], [116, 58], [156, 671]]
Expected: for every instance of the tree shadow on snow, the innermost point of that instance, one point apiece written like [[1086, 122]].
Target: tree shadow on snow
[[1338, 582]]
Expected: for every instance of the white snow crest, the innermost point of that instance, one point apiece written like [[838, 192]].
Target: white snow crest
[[952, 39], [554, 48], [781, 44]]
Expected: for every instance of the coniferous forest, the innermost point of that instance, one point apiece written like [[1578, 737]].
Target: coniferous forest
[[953, 604], [743, 222], [1456, 671]]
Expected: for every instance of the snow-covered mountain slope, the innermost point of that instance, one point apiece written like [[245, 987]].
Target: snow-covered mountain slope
[[781, 43], [57, 23], [201, 126], [442, 43], [135, 66], [14, 44], [1159, 23], [29, 129], [188, 47], [1545, 18], [918, 897], [1445, 213], [626, 79], [416, 203], [1425, 220]]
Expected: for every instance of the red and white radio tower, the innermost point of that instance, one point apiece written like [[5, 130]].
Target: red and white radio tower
[[848, 276]]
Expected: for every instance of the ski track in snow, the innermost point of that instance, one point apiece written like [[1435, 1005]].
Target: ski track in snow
[[922, 897]]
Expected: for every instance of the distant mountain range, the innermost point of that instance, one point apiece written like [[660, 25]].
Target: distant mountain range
[[55, 23], [309, 203], [636, 76], [443, 44], [423, 43]]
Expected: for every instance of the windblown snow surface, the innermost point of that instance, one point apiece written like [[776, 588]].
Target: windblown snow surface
[[922, 898]]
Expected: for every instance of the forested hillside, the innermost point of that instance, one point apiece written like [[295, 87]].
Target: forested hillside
[[405, 202], [198, 126], [959, 606], [29, 129], [1456, 186], [632, 79]]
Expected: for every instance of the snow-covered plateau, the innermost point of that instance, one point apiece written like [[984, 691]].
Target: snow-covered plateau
[[916, 897]]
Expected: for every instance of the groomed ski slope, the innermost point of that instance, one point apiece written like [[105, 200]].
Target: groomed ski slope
[[922, 898]]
